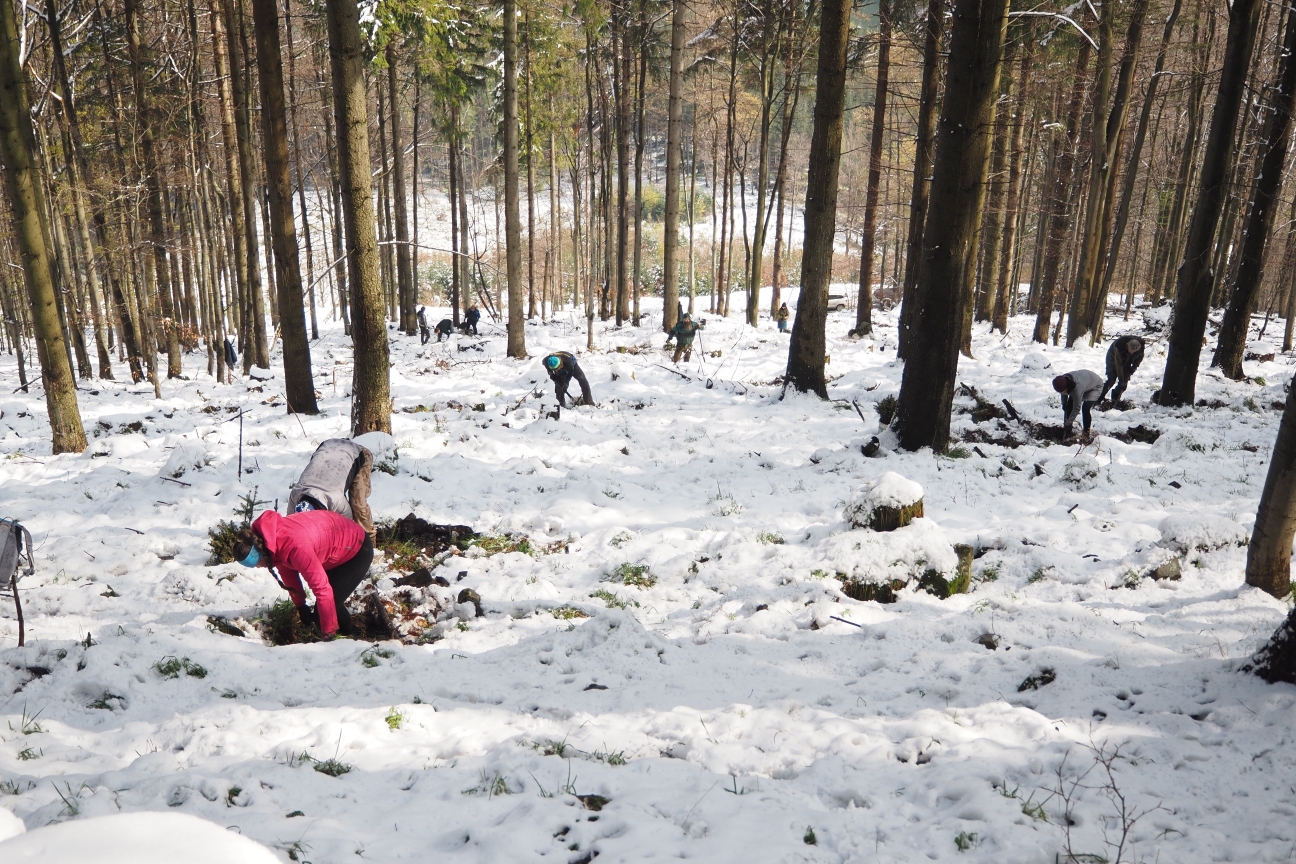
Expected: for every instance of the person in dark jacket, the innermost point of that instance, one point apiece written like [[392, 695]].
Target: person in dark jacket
[[326, 550], [424, 331], [1080, 391], [336, 479], [783, 315], [444, 328], [471, 317], [1123, 359], [562, 367], [683, 333]]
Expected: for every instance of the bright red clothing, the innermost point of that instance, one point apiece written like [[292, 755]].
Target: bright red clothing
[[305, 545]]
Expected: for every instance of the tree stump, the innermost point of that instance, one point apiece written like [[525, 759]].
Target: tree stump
[[888, 503]]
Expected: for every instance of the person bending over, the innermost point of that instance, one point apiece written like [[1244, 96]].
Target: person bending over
[[1123, 359], [327, 550], [444, 328], [562, 367], [336, 478], [1080, 391]]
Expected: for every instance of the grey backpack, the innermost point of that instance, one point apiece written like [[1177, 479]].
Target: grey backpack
[[13, 536]]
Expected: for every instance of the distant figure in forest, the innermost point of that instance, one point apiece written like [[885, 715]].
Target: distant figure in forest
[[562, 367], [683, 333], [424, 330], [1123, 359], [471, 317], [1080, 391], [783, 315], [444, 328], [336, 479]]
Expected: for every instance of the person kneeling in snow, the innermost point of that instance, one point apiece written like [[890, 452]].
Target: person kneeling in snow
[[1080, 391], [562, 367], [337, 479], [329, 551]]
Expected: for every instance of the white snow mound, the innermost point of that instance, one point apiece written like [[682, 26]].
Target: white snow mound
[[904, 554], [1202, 532], [135, 838], [185, 458], [380, 444], [889, 490], [10, 825], [1035, 361], [1081, 472]]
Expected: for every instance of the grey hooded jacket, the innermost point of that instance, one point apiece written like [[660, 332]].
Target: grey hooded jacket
[[329, 475], [1088, 388]]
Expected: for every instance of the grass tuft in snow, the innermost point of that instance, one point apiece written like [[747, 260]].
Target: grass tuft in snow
[[332, 767], [28, 725], [612, 601], [28, 753], [281, 625], [770, 539], [635, 575], [810, 839], [567, 613], [964, 840], [171, 666], [371, 655], [490, 786], [957, 452], [394, 719]]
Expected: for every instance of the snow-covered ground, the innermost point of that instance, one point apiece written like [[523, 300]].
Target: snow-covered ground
[[733, 710]]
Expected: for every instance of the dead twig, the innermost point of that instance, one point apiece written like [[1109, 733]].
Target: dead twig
[[173, 480]]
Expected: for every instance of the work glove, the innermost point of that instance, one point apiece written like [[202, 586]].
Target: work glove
[[308, 616]]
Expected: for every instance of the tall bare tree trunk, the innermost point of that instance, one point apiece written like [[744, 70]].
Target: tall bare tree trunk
[[674, 151], [924, 150], [299, 384], [805, 369], [864, 308], [1264, 201], [1195, 281], [957, 196], [17, 152], [258, 352], [1005, 287], [404, 275], [512, 220], [622, 60], [1057, 203], [370, 386]]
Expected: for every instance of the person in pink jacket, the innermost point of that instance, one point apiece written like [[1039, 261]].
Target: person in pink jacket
[[327, 550]]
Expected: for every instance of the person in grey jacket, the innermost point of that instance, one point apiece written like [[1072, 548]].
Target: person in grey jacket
[[1080, 391], [336, 479]]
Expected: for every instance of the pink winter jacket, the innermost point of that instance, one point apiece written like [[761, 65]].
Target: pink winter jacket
[[305, 545]]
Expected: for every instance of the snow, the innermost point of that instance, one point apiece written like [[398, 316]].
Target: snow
[[889, 490], [135, 838], [747, 698]]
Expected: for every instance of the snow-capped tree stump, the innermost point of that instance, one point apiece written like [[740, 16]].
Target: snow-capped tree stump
[[888, 503]]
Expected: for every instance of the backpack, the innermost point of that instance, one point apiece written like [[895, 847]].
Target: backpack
[[12, 537]]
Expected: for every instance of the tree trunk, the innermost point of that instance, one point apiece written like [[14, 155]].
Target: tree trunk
[[621, 92], [17, 152], [240, 65], [452, 152], [948, 249], [806, 352], [1264, 200], [674, 157], [512, 220], [636, 269], [924, 149], [1136, 153], [370, 400], [1195, 281], [996, 217], [1005, 290], [1269, 553], [864, 308], [404, 276], [1056, 221], [299, 384], [153, 186]]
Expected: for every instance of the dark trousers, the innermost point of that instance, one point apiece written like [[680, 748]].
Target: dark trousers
[[344, 579], [1120, 382], [425, 333], [563, 379], [1086, 409]]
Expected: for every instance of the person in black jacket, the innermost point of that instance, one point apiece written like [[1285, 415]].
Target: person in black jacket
[[562, 367], [444, 329], [1123, 358]]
